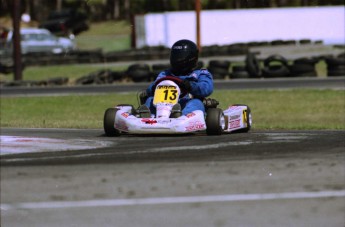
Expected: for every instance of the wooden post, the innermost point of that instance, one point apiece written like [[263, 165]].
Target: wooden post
[[197, 10], [17, 55]]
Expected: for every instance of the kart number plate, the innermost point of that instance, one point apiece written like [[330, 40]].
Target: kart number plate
[[166, 94]]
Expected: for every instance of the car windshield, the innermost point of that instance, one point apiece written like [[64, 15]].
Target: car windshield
[[37, 37]]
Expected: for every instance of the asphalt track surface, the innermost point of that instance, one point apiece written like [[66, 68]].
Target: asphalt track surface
[[260, 178]]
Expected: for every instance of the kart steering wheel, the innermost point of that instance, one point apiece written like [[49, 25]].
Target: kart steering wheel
[[175, 79]]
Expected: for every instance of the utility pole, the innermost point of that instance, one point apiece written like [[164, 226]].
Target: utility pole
[[17, 55], [197, 10]]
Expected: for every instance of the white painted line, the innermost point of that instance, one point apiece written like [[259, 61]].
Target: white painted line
[[172, 200], [20, 144]]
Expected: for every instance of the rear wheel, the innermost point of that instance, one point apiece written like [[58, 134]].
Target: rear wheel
[[215, 122], [109, 122]]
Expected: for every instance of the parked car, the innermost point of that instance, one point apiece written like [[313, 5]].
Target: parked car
[[66, 22], [38, 40]]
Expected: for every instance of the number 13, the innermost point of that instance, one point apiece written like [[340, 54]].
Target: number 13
[[172, 97]]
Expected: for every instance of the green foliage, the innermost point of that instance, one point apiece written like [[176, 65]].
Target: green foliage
[[271, 109], [108, 36]]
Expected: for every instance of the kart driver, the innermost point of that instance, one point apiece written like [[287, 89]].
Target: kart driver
[[197, 82]]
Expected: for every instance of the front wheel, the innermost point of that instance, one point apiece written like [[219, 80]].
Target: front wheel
[[109, 122], [215, 122]]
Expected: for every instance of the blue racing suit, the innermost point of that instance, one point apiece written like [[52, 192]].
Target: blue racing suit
[[201, 82]]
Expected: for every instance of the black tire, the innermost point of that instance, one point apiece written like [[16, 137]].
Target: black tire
[[333, 63], [248, 119], [275, 58], [302, 70], [109, 122], [335, 66], [214, 121], [139, 72], [88, 79], [275, 71], [239, 75], [219, 64], [58, 81], [339, 68], [239, 72], [336, 73], [218, 73], [116, 76], [306, 61], [199, 65], [238, 68], [252, 65], [157, 68]]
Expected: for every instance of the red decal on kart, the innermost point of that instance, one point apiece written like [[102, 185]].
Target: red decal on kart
[[121, 125], [125, 114], [196, 126], [235, 124], [148, 121], [190, 115]]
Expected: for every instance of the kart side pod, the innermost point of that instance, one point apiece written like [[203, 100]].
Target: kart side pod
[[238, 118]]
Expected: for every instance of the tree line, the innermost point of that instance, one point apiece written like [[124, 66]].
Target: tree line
[[100, 10]]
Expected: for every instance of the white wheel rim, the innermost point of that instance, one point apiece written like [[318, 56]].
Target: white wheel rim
[[250, 119], [222, 121]]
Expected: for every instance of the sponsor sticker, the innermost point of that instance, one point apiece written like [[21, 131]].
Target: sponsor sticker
[[149, 121], [121, 125], [192, 114], [195, 126], [234, 117], [235, 124], [125, 114]]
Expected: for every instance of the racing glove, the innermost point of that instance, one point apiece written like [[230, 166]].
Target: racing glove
[[210, 103], [186, 85], [143, 96]]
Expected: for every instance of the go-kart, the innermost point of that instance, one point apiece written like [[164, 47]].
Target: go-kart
[[125, 118]]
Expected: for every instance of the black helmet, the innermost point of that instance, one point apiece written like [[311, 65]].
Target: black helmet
[[183, 56]]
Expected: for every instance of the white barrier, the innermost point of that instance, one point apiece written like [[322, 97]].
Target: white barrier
[[237, 26]]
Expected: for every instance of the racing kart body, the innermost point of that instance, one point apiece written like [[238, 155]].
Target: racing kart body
[[125, 118]]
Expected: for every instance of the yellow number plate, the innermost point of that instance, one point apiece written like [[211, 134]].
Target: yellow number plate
[[165, 94]]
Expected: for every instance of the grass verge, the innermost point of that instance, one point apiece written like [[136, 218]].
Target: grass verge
[[73, 72], [271, 109]]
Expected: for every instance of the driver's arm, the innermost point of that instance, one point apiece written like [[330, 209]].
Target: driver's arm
[[203, 87]]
